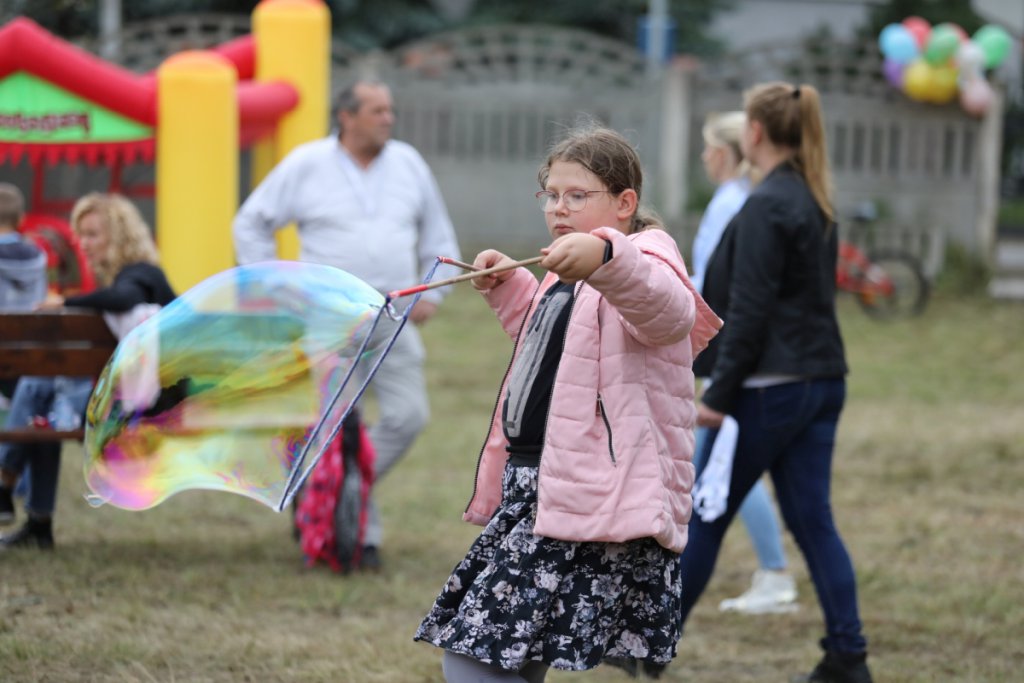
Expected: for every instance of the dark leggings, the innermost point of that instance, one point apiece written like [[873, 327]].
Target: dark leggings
[[462, 669]]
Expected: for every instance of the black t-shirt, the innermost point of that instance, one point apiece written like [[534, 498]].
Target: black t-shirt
[[532, 377]]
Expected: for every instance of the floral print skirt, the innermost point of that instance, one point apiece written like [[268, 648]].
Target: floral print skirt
[[518, 597]]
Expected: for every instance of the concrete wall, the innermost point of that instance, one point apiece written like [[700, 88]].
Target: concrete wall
[[755, 22]]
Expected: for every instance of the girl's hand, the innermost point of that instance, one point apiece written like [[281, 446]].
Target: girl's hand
[[51, 302], [706, 417], [574, 257], [489, 259]]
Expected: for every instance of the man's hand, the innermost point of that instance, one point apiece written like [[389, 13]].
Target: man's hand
[[573, 257], [706, 417], [489, 259], [422, 311]]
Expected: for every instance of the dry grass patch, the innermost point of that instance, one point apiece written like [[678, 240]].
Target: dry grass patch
[[209, 587]]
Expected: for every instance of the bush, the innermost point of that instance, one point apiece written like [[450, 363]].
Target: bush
[[963, 273]]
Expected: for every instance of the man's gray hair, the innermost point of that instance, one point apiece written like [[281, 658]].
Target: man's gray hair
[[347, 100]]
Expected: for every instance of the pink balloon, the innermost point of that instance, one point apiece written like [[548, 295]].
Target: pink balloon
[[976, 96], [919, 28], [959, 31]]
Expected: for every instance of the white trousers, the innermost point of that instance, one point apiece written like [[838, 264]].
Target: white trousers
[[403, 411]]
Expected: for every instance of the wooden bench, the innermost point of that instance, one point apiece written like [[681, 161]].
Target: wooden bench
[[72, 342]]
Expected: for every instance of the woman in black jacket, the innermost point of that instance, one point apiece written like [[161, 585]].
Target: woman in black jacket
[[778, 365], [123, 257]]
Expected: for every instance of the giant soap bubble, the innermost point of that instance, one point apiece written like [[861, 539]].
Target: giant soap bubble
[[219, 390]]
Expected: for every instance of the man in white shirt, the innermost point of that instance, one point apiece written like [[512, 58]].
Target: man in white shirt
[[369, 205]]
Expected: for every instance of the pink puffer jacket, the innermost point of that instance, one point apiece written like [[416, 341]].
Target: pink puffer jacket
[[616, 459]]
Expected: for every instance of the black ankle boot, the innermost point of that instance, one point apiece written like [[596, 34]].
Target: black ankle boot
[[839, 667], [6, 506], [35, 532]]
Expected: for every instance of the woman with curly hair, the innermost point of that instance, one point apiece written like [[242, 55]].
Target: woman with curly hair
[[121, 252]]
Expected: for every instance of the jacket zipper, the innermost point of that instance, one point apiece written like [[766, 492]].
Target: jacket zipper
[[497, 400], [608, 428]]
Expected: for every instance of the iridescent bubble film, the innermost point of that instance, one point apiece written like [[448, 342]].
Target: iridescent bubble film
[[219, 389]]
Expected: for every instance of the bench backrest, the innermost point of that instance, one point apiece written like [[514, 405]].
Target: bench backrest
[[72, 342]]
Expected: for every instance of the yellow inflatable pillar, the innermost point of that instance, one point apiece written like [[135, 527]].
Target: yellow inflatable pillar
[[293, 44], [197, 165]]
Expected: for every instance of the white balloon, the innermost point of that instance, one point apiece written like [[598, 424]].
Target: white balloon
[[970, 57], [965, 77]]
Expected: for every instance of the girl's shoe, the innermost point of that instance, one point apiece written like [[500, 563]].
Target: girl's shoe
[[627, 664], [636, 668]]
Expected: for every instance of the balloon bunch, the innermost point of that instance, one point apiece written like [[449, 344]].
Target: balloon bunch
[[936, 64]]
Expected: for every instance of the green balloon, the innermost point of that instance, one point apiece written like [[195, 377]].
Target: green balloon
[[995, 44], [942, 45]]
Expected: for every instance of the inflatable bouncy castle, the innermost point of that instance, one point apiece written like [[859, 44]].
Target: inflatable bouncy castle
[[190, 117]]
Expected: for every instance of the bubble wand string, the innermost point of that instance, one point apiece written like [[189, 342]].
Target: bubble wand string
[[296, 480]]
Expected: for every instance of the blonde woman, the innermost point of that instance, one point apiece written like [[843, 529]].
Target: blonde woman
[[725, 167], [120, 249], [772, 588]]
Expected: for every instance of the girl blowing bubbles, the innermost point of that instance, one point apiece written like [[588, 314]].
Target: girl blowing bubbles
[[584, 481]]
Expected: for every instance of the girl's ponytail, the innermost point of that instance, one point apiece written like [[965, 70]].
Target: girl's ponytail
[[812, 155], [791, 116]]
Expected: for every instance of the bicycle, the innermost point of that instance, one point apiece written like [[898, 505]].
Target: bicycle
[[887, 283]]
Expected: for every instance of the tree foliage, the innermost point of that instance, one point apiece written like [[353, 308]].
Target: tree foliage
[[74, 18], [365, 24], [614, 18], [934, 11]]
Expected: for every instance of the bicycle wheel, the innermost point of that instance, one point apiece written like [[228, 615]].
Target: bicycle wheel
[[894, 286]]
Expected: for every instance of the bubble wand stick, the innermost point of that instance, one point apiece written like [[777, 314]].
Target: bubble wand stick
[[399, 293], [451, 261]]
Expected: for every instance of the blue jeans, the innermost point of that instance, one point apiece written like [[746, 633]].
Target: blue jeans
[[34, 396], [788, 430], [757, 511]]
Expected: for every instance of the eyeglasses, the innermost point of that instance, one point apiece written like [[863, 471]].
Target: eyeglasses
[[575, 200]]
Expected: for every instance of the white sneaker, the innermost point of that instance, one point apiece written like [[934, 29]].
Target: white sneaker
[[770, 592]]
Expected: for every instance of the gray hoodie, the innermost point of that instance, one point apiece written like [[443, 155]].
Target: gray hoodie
[[22, 274]]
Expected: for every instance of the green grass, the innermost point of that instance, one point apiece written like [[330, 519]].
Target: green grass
[[211, 587], [1011, 212]]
